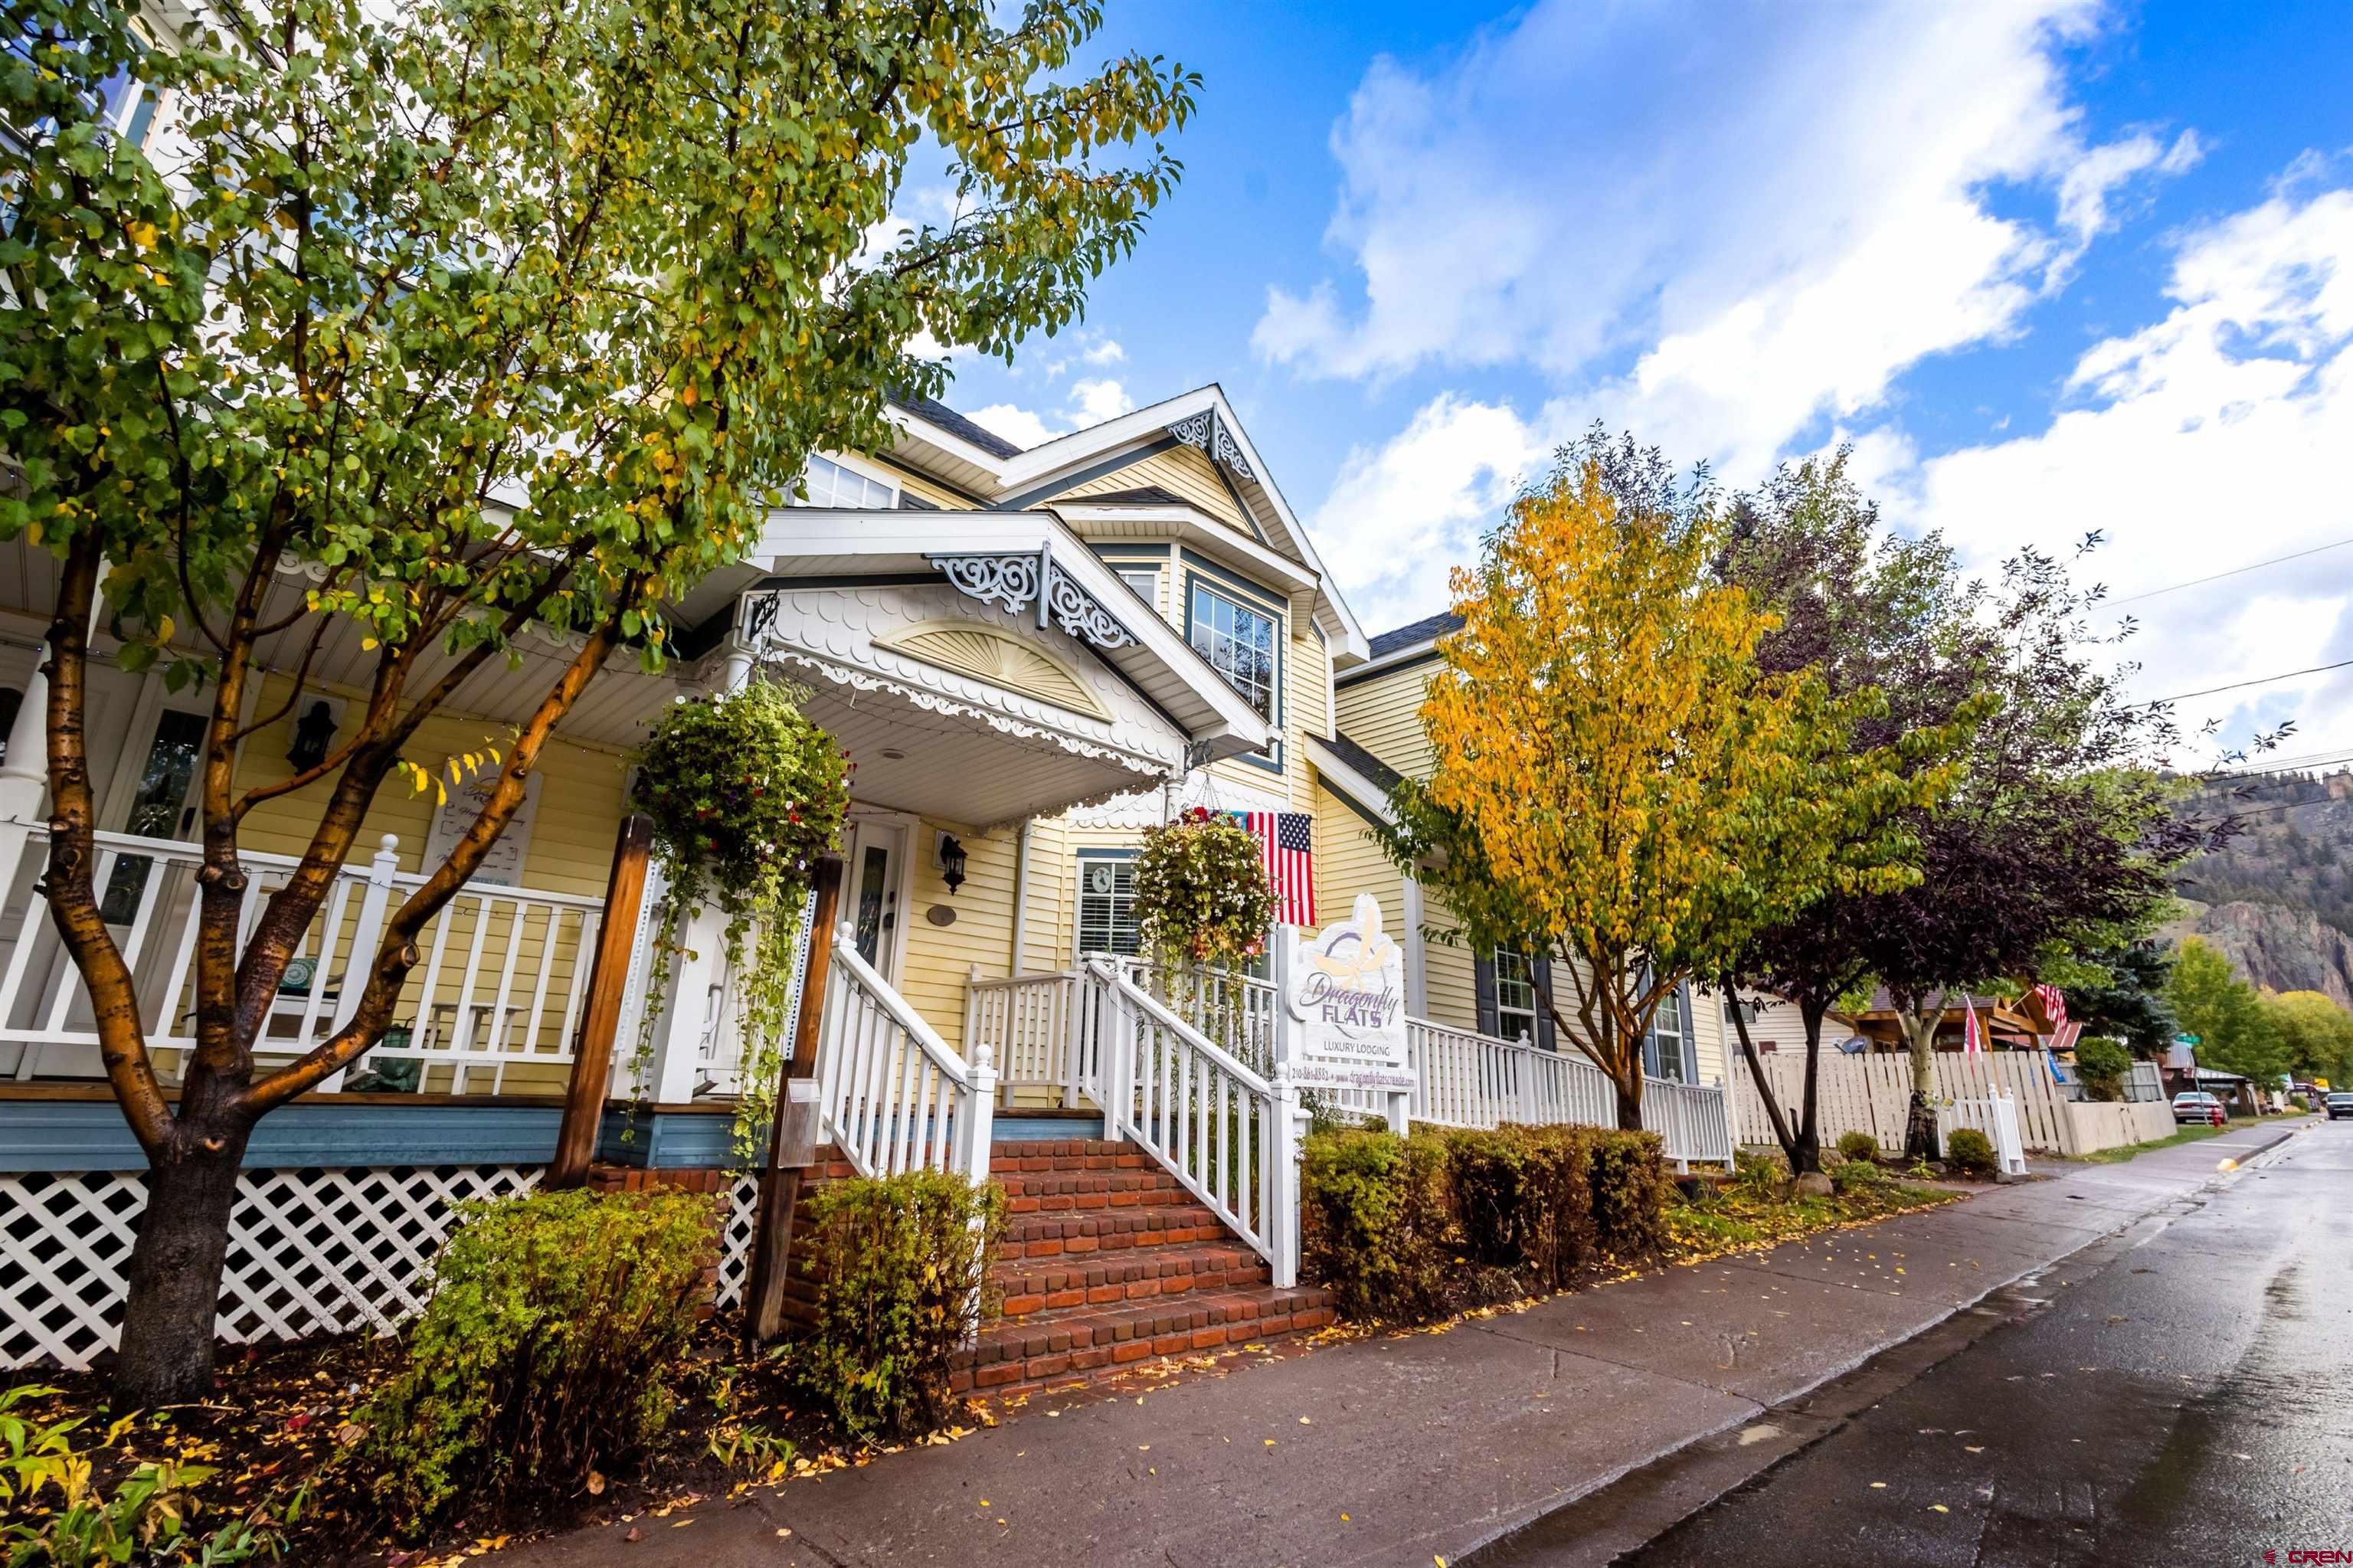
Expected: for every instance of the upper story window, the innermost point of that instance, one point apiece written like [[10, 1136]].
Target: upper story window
[[832, 484], [1238, 643], [1144, 581], [1515, 995]]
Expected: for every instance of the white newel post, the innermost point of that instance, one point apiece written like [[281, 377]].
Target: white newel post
[[24, 773], [366, 932], [1289, 1132], [979, 1111]]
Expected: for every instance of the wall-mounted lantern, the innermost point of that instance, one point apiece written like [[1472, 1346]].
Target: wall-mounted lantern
[[951, 862], [313, 734]]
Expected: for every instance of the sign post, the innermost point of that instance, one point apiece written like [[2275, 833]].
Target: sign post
[[1345, 990]]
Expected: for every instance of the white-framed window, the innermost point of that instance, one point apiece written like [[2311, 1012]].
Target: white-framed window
[[1107, 922], [1145, 581], [833, 485], [1668, 1050], [1515, 995], [1238, 640]]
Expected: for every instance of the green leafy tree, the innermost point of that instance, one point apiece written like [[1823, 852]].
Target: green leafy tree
[[2236, 1030], [425, 326], [1616, 781], [2316, 1034], [2103, 1063]]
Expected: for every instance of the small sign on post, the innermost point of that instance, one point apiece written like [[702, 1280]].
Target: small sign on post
[[1345, 991]]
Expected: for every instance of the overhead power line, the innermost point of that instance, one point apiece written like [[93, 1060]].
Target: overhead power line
[[2258, 680], [2234, 571]]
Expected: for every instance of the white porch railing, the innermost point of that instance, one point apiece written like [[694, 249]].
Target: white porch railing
[[890, 1094], [1466, 1079], [503, 977], [1227, 1133], [1030, 1023]]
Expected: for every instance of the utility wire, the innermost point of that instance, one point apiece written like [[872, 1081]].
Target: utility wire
[[2234, 571], [2258, 680]]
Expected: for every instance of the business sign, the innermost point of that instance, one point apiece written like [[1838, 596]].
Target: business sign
[[1347, 994], [502, 861]]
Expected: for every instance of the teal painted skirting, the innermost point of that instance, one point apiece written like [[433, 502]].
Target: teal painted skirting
[[90, 1134]]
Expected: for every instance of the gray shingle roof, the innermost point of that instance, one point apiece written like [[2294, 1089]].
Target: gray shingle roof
[[1364, 761], [1420, 630], [933, 411]]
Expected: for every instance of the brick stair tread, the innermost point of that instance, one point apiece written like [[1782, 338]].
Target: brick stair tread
[[1100, 1340], [1175, 1224], [1091, 1189], [1030, 1285]]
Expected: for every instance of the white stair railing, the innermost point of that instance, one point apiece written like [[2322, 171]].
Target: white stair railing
[[1229, 1134], [891, 1095]]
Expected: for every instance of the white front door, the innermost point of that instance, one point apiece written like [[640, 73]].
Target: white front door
[[874, 887]]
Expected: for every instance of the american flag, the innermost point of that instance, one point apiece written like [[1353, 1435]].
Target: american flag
[[2054, 1005], [1972, 1037], [1286, 842]]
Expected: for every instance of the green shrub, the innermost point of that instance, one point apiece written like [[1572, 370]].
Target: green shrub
[[1373, 1221], [1857, 1146], [1629, 1193], [547, 1350], [1524, 1200], [2103, 1064], [1758, 1175], [1968, 1149], [1851, 1175], [901, 1267]]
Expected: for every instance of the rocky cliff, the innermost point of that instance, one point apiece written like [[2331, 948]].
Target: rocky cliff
[[2274, 946]]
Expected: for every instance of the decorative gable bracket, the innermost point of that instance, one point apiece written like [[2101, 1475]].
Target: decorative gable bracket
[[1208, 433], [1014, 582]]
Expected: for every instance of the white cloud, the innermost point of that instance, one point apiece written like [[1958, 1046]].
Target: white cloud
[[1716, 231], [2211, 438], [1402, 513], [1107, 352], [1091, 402]]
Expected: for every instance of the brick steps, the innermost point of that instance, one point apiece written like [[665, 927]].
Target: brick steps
[[1110, 1262]]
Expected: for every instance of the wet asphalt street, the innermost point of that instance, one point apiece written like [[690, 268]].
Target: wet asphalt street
[[2181, 1393]]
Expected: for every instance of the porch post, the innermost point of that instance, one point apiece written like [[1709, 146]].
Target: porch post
[[793, 1139], [1290, 1131], [25, 774], [592, 1052], [1417, 960], [365, 934]]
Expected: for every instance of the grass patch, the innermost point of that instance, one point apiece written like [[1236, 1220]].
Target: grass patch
[[1735, 1218]]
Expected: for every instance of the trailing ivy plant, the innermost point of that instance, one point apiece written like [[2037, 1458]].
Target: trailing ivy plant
[[744, 794]]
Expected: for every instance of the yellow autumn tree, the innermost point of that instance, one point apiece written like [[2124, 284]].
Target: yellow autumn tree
[[1615, 783]]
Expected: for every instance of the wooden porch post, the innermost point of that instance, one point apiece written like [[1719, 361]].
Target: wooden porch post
[[592, 1051], [792, 1140]]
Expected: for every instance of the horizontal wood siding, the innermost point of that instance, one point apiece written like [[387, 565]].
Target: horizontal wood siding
[[1383, 714], [1347, 862], [1181, 471]]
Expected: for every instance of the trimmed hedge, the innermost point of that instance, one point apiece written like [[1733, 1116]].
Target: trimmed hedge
[[1970, 1150], [1383, 1217]]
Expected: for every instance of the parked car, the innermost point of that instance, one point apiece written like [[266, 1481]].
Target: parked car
[[2339, 1105], [2193, 1107]]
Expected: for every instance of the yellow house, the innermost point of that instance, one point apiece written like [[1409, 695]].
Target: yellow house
[[1032, 656]]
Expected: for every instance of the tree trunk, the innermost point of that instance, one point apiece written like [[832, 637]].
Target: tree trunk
[[1809, 1152], [1920, 1119], [175, 1276], [1630, 1106], [1782, 1133]]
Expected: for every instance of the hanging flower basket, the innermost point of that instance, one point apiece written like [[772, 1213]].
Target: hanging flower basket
[[746, 794], [1202, 895]]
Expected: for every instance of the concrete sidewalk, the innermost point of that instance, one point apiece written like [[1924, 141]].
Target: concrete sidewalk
[[1405, 1449]]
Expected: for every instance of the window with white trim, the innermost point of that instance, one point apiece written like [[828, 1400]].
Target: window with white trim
[[1145, 581], [1668, 1050], [830, 483], [1107, 922], [1515, 995], [1238, 643]]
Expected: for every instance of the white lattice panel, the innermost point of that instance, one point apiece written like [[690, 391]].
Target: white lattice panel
[[735, 1241], [311, 1251]]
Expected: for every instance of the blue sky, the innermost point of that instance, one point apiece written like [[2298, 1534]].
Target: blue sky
[[2050, 266]]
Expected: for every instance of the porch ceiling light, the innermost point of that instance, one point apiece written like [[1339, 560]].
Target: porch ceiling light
[[951, 862]]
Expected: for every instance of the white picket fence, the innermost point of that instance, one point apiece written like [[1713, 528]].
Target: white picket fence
[[311, 1251], [1873, 1093]]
